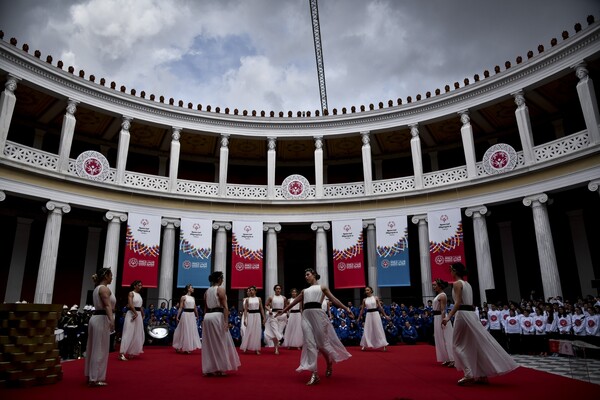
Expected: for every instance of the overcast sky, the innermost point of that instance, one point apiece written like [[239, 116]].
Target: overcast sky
[[259, 54]]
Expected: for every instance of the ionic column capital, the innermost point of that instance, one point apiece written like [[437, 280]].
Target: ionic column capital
[[126, 122], [535, 200], [419, 219], [320, 226], [414, 130], [11, 83], [318, 142], [176, 133], [57, 207], [224, 140], [464, 117], [476, 212], [272, 142], [594, 185], [271, 227], [368, 223], [581, 71], [115, 216], [365, 137], [221, 225], [170, 223]]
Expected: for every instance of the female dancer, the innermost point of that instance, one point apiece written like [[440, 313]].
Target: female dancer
[[253, 311], [373, 334], [101, 324], [186, 337], [275, 325], [218, 352], [319, 335], [293, 332], [132, 340], [442, 334], [476, 352]]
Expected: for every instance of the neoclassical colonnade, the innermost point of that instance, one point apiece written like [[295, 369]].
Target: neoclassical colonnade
[[265, 203], [585, 91], [55, 211]]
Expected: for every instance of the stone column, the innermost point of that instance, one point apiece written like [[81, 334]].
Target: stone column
[[322, 258], [594, 186], [545, 245], [589, 103], [123, 150], [221, 247], [509, 261], [318, 167], [91, 263], [167, 258], [482, 250], [417, 160], [223, 164], [111, 248], [426, 288], [271, 278], [369, 225], [66, 136], [174, 161], [44, 288], [466, 132], [7, 108], [16, 271], [366, 159], [583, 257], [524, 125], [271, 158]]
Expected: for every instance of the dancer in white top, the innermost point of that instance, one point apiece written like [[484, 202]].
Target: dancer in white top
[[218, 351], [476, 352], [319, 335], [293, 336], [442, 334], [101, 324], [132, 340], [275, 324], [186, 337], [373, 334], [253, 311]]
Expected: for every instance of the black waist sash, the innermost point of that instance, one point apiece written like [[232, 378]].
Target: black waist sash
[[253, 311], [312, 304], [466, 307], [99, 312], [294, 311], [138, 308], [436, 313], [188, 310], [216, 309], [372, 309]]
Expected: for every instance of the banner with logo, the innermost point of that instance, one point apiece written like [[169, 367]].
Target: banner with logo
[[392, 251], [348, 255], [195, 250], [142, 248], [446, 244], [247, 255]]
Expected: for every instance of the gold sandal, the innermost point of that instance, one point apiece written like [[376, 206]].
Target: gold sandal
[[314, 379]]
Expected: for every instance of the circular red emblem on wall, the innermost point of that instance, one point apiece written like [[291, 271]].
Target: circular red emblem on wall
[[92, 165], [295, 187]]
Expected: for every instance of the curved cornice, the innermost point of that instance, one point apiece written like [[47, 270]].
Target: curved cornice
[[556, 60]]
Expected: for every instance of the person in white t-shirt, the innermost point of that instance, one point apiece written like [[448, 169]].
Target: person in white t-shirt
[[527, 333], [578, 321], [513, 332]]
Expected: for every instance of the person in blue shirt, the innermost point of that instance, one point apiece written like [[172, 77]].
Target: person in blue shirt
[[343, 332], [391, 333], [409, 333], [236, 334]]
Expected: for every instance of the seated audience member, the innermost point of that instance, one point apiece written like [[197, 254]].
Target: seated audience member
[[409, 333], [391, 333]]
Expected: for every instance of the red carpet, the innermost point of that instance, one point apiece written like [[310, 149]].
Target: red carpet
[[403, 372]]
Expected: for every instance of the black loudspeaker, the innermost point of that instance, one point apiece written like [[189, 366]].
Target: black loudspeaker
[[491, 295]]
